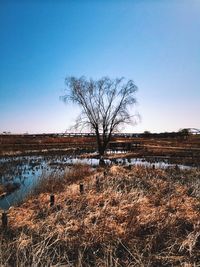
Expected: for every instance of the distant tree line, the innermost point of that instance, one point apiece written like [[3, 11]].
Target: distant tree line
[[181, 133]]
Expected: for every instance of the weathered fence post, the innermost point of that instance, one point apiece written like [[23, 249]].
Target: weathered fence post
[[177, 168], [4, 220], [52, 200], [97, 184], [81, 187]]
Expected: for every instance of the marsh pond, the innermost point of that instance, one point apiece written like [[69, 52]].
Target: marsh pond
[[20, 174]]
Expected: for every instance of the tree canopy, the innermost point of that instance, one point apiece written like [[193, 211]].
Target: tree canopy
[[105, 105]]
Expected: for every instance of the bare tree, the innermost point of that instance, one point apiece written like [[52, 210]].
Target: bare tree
[[105, 105]]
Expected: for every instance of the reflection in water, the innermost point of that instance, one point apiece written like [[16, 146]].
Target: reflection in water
[[25, 172]]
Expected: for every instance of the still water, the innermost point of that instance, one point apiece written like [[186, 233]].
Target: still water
[[22, 173]]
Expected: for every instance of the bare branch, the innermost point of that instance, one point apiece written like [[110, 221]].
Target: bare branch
[[105, 105]]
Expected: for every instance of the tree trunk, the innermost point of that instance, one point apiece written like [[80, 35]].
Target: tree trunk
[[101, 155], [102, 162], [101, 149]]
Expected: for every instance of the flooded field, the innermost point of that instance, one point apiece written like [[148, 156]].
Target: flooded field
[[19, 175]]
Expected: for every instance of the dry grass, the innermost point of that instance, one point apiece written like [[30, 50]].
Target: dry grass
[[2, 190], [137, 217], [57, 181]]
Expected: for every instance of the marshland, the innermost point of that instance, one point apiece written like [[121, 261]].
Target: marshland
[[133, 211], [99, 133]]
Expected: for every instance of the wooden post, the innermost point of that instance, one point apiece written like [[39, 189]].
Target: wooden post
[[4, 220], [52, 200], [97, 184], [81, 186], [177, 167]]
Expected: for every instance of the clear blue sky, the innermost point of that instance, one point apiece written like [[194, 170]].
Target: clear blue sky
[[156, 43]]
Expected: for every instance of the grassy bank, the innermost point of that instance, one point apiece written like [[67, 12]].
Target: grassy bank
[[125, 217]]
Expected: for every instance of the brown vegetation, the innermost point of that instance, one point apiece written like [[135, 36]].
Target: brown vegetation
[[176, 150], [125, 217], [31, 144], [2, 190]]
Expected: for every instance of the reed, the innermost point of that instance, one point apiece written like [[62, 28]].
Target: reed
[[137, 217]]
